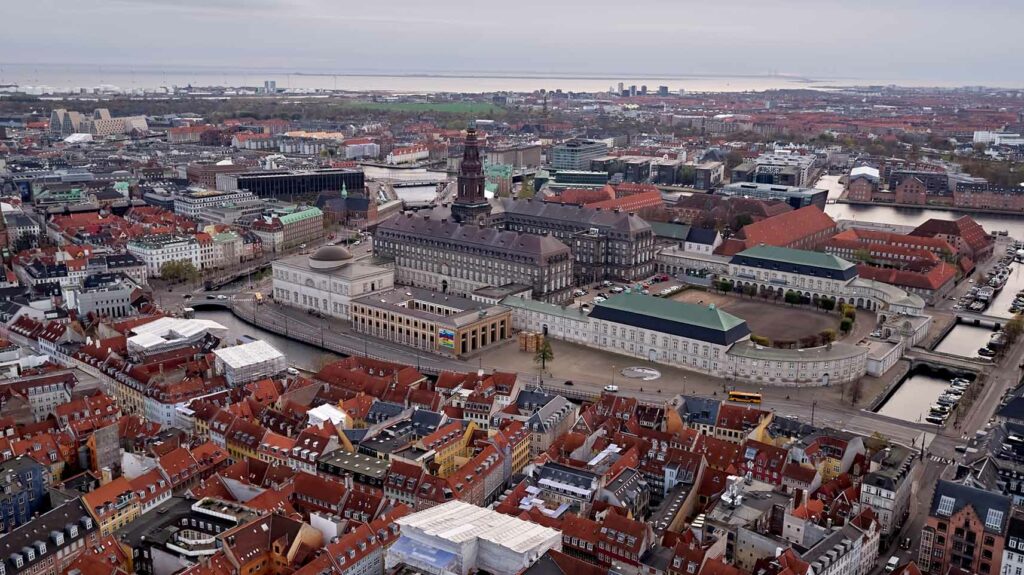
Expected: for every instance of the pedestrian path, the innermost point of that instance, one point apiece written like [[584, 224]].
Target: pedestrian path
[[938, 459]]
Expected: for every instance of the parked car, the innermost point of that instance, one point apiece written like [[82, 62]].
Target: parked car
[[292, 371], [611, 388], [892, 564], [568, 382]]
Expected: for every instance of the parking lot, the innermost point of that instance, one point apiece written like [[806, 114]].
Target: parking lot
[[588, 294]]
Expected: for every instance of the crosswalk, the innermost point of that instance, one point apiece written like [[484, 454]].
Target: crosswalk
[[942, 460]]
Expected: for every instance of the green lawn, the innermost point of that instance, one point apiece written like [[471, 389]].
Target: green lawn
[[480, 108]]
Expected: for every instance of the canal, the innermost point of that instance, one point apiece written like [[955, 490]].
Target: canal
[[300, 355], [910, 216], [915, 395], [1000, 306], [965, 340]]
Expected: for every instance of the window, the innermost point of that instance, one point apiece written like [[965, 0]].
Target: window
[[994, 519], [946, 506]]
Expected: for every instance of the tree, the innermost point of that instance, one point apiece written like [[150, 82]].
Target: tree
[[862, 255], [526, 189], [846, 325], [750, 290], [827, 304], [856, 390], [733, 159], [761, 340], [792, 297], [1014, 328], [544, 354], [687, 175], [850, 313], [828, 335], [724, 286], [178, 270]]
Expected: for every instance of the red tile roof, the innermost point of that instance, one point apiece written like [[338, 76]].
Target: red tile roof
[[783, 230]]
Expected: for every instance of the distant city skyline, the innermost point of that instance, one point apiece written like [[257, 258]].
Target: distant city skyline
[[912, 40]]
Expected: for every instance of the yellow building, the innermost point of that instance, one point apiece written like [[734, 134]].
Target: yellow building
[[435, 322], [449, 443], [113, 505], [518, 437], [243, 439]]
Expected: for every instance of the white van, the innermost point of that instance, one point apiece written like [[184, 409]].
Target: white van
[[892, 564]]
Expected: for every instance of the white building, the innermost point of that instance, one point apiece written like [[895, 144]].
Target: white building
[[702, 241], [408, 154], [688, 336], [192, 202], [837, 363], [249, 362], [887, 487], [155, 251], [460, 538], [20, 226], [998, 138], [565, 324], [1013, 548], [171, 333], [817, 275], [327, 281], [327, 412]]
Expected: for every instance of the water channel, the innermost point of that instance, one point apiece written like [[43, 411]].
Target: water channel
[[299, 354], [965, 340], [915, 395], [910, 401], [910, 216]]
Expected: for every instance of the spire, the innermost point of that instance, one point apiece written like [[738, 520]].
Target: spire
[[470, 204]]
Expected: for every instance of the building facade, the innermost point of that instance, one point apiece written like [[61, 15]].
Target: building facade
[[155, 251], [605, 244], [452, 258], [965, 529], [432, 321], [327, 281], [576, 154]]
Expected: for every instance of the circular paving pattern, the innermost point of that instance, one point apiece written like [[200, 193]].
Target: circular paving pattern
[[643, 373]]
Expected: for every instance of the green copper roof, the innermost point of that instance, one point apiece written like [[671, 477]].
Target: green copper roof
[[674, 311], [301, 215], [797, 257]]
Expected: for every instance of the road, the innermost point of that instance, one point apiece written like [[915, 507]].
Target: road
[[803, 404], [939, 444], [176, 296]]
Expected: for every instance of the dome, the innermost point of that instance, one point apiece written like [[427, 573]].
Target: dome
[[329, 257]]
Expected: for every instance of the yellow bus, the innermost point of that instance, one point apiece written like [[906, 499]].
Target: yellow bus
[[259, 298], [744, 397]]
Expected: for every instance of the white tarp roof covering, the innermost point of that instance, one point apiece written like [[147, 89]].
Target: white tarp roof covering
[[167, 330], [251, 353]]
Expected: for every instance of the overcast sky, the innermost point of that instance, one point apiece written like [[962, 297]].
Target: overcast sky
[[976, 41]]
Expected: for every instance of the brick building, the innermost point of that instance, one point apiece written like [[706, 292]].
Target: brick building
[[965, 529]]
